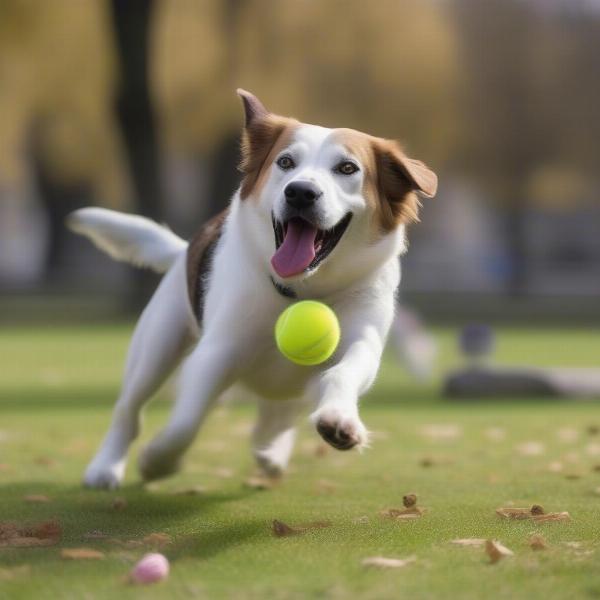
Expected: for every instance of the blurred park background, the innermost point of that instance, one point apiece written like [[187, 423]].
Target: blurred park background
[[131, 105]]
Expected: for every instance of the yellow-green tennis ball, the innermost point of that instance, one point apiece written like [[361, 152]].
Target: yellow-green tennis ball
[[307, 332]]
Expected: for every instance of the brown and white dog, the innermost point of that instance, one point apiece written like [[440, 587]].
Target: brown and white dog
[[320, 213]]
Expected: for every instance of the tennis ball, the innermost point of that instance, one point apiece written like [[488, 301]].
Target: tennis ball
[[307, 332]]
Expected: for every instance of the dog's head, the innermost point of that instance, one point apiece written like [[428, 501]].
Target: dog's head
[[327, 193]]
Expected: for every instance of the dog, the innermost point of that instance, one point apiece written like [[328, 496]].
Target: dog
[[320, 213]]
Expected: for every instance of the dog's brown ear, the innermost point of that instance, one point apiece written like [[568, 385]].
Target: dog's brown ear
[[261, 131], [254, 109], [398, 177]]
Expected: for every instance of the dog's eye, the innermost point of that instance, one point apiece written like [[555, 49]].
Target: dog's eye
[[346, 167], [285, 162]]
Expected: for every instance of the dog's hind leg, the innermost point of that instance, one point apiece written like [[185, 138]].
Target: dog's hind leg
[[274, 435], [164, 332]]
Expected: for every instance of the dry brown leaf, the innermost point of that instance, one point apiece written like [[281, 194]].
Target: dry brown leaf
[[413, 512], [281, 529], [496, 551], [555, 516], [45, 533], [537, 542], [81, 554], [514, 513], [473, 542], [383, 562], [157, 539], [410, 500], [259, 483], [41, 498]]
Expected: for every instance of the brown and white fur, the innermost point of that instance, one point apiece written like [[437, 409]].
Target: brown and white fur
[[216, 307]]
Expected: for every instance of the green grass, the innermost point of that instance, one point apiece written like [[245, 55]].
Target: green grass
[[57, 386]]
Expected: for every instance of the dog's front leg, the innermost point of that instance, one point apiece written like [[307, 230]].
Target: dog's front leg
[[338, 389], [206, 373]]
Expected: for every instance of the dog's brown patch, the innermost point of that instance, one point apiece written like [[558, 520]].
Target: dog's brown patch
[[262, 140], [391, 178], [199, 258]]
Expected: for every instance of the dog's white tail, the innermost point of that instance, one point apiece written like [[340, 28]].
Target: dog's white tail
[[128, 238]]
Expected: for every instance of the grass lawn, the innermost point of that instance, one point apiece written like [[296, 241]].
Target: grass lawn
[[463, 460]]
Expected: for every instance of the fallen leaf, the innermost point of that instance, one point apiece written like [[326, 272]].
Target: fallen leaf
[[81, 554], [36, 498], [496, 551], [537, 542], [383, 562], [414, 512], [514, 513], [45, 530], [474, 542], [157, 539], [555, 516], [555, 467], [281, 529], [45, 533], [409, 500]]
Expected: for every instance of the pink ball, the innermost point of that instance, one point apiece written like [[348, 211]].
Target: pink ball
[[151, 568]]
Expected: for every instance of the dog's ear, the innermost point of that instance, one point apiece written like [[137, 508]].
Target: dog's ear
[[253, 108], [262, 129], [398, 177]]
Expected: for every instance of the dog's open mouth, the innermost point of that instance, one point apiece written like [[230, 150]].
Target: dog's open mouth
[[300, 246]]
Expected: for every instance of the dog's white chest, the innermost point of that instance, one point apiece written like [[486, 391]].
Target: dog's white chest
[[273, 376]]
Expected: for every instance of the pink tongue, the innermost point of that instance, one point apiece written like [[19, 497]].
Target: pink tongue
[[297, 250]]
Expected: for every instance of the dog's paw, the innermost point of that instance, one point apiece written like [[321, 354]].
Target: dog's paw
[[104, 476], [340, 430], [155, 463], [270, 466]]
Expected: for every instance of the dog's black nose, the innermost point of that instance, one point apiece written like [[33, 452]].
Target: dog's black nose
[[301, 194]]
